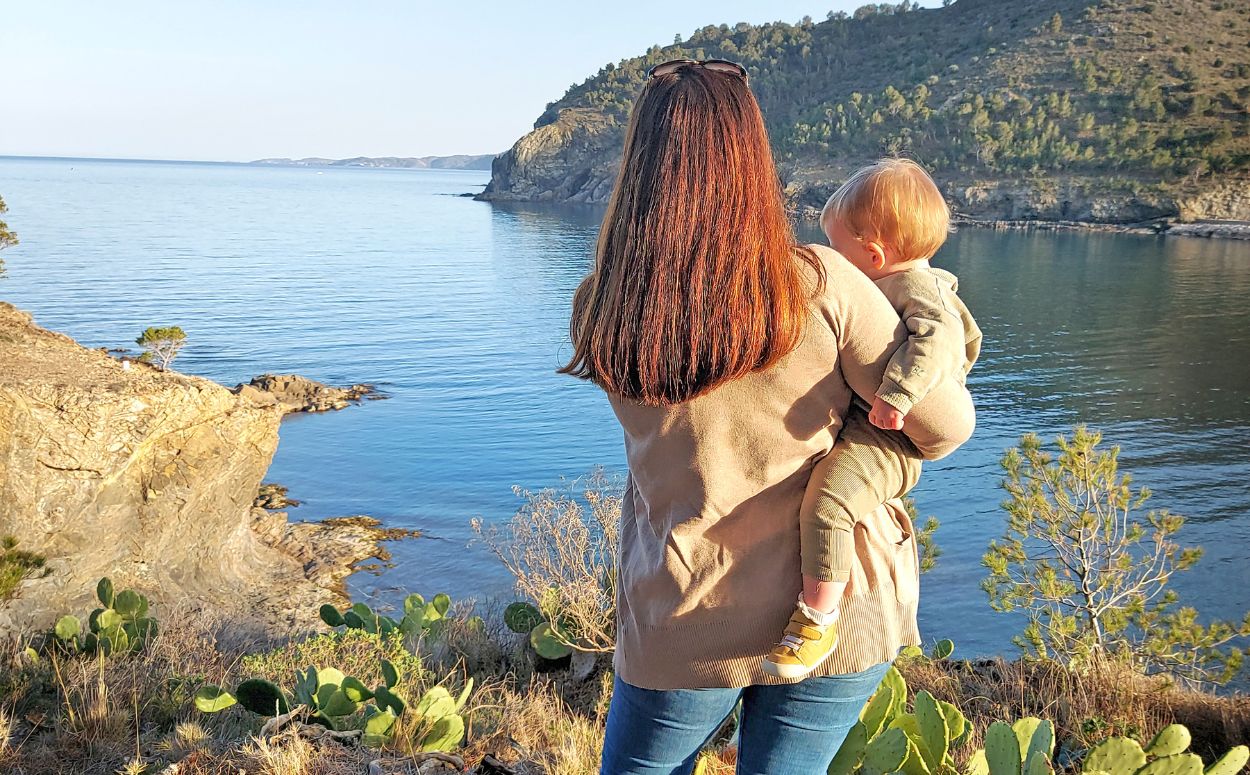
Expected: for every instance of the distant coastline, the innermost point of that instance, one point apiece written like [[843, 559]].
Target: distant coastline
[[457, 162], [480, 162]]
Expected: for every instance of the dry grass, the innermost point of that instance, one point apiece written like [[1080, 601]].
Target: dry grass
[[1085, 708], [83, 715], [539, 730]]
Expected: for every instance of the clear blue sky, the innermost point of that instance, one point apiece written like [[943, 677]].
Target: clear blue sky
[[235, 80]]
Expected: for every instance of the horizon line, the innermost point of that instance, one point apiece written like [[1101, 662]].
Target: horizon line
[[219, 161]]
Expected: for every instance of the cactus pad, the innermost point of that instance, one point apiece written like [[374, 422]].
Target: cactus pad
[[390, 676], [1116, 756], [211, 699], [436, 703], [875, 713], [445, 735], [522, 618], [1002, 750], [414, 606], [1231, 762], [464, 694], [104, 592], [544, 640], [1177, 764], [1171, 740], [331, 615], [934, 732], [851, 754], [378, 725], [68, 627], [886, 752], [261, 697], [333, 701]]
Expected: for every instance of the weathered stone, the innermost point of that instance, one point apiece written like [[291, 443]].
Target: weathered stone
[[273, 497], [149, 477], [293, 393]]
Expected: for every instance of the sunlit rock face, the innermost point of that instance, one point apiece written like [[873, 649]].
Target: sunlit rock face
[[118, 469]]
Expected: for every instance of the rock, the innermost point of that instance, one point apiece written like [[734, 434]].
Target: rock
[[572, 156], [272, 497], [149, 477], [292, 393]]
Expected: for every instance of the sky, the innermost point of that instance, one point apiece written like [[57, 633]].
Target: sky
[[229, 80]]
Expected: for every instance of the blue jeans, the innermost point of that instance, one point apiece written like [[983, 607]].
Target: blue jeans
[[790, 729]]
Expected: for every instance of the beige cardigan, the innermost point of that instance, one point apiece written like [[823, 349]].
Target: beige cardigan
[[709, 565]]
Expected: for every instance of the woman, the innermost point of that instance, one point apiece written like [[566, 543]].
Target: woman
[[730, 356]]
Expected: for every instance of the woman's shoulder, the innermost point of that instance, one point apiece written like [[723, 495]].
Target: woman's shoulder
[[842, 281]]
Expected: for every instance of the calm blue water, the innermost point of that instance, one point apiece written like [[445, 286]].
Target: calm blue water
[[458, 309]]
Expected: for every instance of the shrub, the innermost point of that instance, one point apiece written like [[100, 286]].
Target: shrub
[[562, 550], [7, 238], [1091, 572], [17, 565]]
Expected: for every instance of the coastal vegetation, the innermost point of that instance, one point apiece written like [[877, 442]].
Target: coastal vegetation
[[1091, 572], [7, 237], [1124, 98], [17, 565], [161, 345], [480, 687]]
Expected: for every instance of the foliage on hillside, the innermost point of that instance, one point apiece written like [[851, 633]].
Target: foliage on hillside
[[1153, 89]]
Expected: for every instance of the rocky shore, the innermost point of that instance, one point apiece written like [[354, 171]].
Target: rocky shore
[[151, 477], [573, 154], [292, 393]]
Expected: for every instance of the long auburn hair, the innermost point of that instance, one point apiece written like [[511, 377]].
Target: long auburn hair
[[695, 281]]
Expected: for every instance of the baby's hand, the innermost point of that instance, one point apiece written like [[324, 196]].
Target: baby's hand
[[885, 416]]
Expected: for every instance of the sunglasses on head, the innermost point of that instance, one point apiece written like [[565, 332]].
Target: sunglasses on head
[[719, 65]]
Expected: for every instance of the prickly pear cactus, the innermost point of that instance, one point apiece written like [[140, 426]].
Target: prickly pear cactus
[[261, 697], [547, 643], [878, 710], [934, 732], [1115, 756], [121, 625]]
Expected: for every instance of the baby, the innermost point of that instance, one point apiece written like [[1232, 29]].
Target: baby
[[888, 220]]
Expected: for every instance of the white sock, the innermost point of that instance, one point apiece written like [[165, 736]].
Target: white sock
[[819, 618]]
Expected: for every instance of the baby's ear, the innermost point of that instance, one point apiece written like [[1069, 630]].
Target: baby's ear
[[878, 252]]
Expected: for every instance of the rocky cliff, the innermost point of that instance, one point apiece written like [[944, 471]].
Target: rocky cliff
[[573, 158], [149, 477], [1059, 110], [576, 158]]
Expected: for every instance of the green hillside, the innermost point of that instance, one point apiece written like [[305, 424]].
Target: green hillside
[[1133, 95]]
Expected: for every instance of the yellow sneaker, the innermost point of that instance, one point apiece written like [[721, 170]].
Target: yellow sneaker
[[803, 647]]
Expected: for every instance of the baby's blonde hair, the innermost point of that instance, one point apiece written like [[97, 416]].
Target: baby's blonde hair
[[896, 203]]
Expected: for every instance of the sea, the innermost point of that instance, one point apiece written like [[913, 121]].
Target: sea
[[458, 311]]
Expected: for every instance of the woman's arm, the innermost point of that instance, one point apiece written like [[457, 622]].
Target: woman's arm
[[868, 332]]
